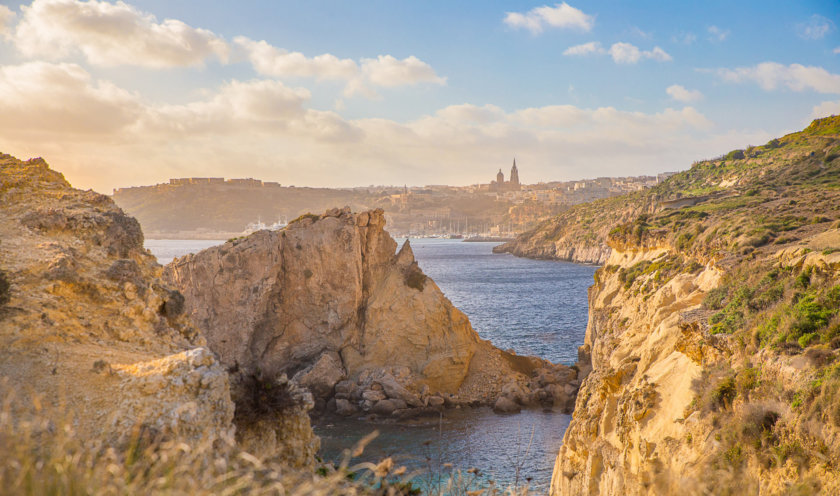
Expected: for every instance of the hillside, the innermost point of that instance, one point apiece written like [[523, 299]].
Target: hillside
[[739, 178], [714, 329]]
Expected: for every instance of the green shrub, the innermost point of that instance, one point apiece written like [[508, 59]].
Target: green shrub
[[714, 298], [5, 289], [724, 393], [415, 278]]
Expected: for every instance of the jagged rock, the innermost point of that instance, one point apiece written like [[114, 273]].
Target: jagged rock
[[276, 301]]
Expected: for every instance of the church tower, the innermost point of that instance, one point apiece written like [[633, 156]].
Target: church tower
[[514, 177], [500, 178]]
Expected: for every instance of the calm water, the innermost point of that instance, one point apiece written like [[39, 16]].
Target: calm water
[[535, 307]]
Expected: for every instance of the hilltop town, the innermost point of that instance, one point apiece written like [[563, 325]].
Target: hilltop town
[[215, 207]]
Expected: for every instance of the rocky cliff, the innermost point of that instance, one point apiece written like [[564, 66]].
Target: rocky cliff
[[91, 336], [580, 233], [713, 333], [330, 301]]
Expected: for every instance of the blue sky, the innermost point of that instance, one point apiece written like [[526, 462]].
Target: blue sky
[[405, 92]]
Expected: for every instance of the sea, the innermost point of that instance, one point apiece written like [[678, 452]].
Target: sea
[[533, 307]]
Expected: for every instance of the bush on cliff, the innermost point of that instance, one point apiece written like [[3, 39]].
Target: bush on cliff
[[5, 289]]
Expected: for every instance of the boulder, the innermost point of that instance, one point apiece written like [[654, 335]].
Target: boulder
[[345, 408], [506, 405], [322, 376], [386, 407], [395, 390], [373, 395]]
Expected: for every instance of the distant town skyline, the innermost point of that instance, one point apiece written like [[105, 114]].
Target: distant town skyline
[[341, 94]]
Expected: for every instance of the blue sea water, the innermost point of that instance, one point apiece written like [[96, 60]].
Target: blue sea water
[[535, 307]]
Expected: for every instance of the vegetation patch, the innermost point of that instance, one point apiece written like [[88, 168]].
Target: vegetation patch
[[415, 278], [314, 218], [5, 289]]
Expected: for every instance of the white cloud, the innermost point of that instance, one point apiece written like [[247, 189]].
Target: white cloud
[[627, 53], [384, 71], [717, 34], [797, 77], [621, 53], [562, 15], [585, 49], [6, 18], [102, 136], [681, 94], [825, 109], [815, 28], [837, 50], [112, 34], [388, 71], [276, 62], [40, 98]]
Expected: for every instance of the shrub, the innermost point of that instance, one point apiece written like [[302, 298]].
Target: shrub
[[415, 278], [5, 289], [257, 397], [714, 298], [724, 393]]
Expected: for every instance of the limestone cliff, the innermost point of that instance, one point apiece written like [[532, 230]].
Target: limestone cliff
[[580, 233], [87, 329], [328, 299], [713, 333]]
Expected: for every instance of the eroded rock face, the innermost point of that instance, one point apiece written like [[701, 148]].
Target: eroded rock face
[[625, 435], [328, 299], [89, 333]]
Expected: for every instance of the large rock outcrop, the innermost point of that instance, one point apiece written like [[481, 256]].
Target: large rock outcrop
[[92, 337], [330, 301], [88, 332]]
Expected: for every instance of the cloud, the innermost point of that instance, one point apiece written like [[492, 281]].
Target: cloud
[[585, 49], [39, 98], [276, 62], [717, 34], [384, 71], [836, 50], [562, 15], [825, 109], [815, 28], [626, 53], [681, 94], [388, 71], [102, 136], [112, 35], [772, 75], [6, 18]]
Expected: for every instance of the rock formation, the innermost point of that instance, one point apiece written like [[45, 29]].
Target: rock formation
[[90, 334], [88, 330], [713, 333], [328, 301]]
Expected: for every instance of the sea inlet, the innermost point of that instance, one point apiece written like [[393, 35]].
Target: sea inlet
[[533, 307]]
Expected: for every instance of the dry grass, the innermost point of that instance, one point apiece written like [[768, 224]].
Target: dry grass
[[39, 456]]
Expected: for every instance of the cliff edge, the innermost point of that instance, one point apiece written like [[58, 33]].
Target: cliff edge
[[714, 331], [88, 331]]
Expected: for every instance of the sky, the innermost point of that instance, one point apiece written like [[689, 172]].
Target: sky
[[338, 94]]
